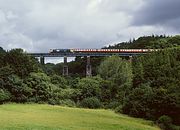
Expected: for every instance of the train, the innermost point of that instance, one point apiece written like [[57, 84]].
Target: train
[[101, 50]]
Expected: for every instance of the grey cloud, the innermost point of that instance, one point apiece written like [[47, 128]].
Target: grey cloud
[[38, 25], [61, 24], [127, 6], [158, 12]]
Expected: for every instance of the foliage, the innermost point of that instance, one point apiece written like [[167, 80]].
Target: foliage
[[4, 96], [155, 42], [20, 91], [138, 102], [166, 43], [49, 68], [5, 72], [107, 93], [89, 87], [165, 122], [58, 69], [119, 73], [140, 43], [113, 105], [90, 102], [21, 63], [2, 54], [62, 94], [73, 82], [41, 87], [148, 87], [159, 74], [65, 102], [59, 81], [76, 68]]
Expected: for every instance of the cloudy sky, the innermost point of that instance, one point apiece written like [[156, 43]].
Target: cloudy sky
[[38, 25]]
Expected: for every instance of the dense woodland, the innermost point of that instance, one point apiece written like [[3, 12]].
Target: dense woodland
[[149, 87]]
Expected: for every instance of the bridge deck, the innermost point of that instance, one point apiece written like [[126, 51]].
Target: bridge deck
[[82, 54]]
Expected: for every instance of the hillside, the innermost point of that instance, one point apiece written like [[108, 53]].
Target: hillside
[[155, 42], [46, 117]]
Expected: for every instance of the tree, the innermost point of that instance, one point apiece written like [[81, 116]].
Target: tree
[[138, 102], [89, 87], [160, 72], [2, 54], [48, 68], [119, 72], [138, 72], [21, 63], [19, 90], [41, 87], [91, 102], [59, 81], [174, 41], [5, 73], [4, 96]]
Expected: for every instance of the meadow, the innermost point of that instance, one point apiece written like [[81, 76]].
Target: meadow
[[47, 117]]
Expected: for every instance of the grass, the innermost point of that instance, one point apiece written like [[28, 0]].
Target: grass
[[46, 117]]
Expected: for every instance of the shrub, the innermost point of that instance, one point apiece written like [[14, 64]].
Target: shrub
[[91, 102], [21, 63], [113, 105], [90, 87], [59, 81], [62, 94], [65, 102], [119, 109], [138, 102], [40, 85], [4, 96], [19, 90], [165, 122], [52, 101]]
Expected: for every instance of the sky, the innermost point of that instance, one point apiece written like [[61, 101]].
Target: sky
[[39, 25]]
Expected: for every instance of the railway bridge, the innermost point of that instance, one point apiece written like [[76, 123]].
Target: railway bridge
[[42, 57]]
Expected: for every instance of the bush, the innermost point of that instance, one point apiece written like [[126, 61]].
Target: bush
[[165, 122], [4, 96], [19, 90], [90, 87], [113, 105], [65, 102], [21, 63], [91, 102], [119, 109], [138, 103], [59, 81], [41, 86]]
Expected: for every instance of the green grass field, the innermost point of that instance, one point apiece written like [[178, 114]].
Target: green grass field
[[46, 117]]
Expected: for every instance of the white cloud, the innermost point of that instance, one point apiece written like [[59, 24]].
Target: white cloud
[[38, 25]]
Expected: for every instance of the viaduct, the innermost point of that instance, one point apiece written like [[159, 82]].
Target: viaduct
[[42, 57]]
